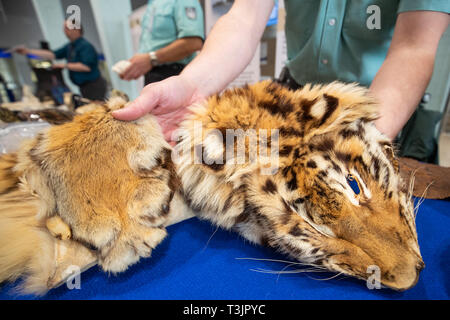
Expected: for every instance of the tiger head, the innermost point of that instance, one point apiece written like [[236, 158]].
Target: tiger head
[[335, 199], [346, 186]]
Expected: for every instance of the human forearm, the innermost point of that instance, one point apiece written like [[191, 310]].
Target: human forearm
[[44, 54], [404, 75], [179, 49], [399, 87], [78, 67], [229, 47]]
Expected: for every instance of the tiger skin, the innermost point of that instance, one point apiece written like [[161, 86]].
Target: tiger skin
[[117, 203], [307, 209]]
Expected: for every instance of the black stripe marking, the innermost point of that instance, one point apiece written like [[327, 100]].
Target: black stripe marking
[[376, 167], [296, 231], [325, 145], [269, 187], [332, 103], [344, 157], [285, 151], [249, 210], [311, 164], [283, 131], [306, 108], [292, 184]]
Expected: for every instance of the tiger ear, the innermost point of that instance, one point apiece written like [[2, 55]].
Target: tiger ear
[[335, 107]]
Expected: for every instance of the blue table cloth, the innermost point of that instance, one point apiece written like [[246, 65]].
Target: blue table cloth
[[199, 261]]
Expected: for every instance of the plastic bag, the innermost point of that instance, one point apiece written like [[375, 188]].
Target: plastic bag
[[13, 134]]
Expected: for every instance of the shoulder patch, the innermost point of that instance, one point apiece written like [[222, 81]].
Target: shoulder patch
[[191, 12]]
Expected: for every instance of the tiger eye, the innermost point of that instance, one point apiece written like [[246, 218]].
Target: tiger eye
[[353, 183]]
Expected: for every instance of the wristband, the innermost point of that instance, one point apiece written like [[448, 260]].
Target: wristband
[[153, 59]]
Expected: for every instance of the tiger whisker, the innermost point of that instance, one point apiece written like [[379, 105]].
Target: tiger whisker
[[264, 259], [287, 271], [412, 180], [298, 271], [293, 271], [209, 240], [421, 199], [326, 279], [289, 264], [283, 261]]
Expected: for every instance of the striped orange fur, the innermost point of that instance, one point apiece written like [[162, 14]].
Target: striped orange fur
[[108, 188]]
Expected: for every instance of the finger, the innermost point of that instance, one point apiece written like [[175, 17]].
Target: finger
[[163, 109], [137, 75], [126, 76], [128, 72], [138, 108], [172, 132], [169, 136], [172, 143]]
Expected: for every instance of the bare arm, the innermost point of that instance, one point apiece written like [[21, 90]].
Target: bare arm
[[230, 46], [177, 50], [49, 55], [78, 67], [44, 54], [73, 66], [226, 52], [402, 79]]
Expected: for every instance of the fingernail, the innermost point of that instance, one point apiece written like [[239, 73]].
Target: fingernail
[[117, 112]]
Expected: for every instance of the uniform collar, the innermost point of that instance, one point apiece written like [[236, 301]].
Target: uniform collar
[[78, 40]]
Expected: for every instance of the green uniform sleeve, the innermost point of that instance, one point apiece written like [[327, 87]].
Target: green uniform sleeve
[[61, 53], [88, 56], [189, 19], [424, 5]]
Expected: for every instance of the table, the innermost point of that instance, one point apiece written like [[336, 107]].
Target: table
[[199, 261]]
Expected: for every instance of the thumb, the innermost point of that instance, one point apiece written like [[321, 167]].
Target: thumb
[[138, 108], [170, 136]]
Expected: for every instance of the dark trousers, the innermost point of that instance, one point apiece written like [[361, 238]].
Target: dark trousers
[[94, 90], [162, 72], [287, 80], [417, 139]]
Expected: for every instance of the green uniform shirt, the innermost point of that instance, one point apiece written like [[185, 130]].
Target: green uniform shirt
[[80, 51], [168, 20], [331, 39]]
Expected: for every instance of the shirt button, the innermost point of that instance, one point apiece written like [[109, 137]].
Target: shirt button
[[324, 61], [426, 97], [332, 22]]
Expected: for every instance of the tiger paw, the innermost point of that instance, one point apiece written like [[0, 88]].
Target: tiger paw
[[58, 228], [126, 251]]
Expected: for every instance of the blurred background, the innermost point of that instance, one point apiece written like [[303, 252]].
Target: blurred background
[[112, 27]]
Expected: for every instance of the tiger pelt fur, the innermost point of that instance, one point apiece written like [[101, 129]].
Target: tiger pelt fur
[[104, 189]]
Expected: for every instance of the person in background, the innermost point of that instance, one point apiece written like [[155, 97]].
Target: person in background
[[172, 32], [82, 62], [326, 41]]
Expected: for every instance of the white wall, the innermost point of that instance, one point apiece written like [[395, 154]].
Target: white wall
[[21, 27]]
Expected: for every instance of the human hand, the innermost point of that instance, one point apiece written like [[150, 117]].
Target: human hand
[[140, 65], [167, 100], [59, 66], [21, 50]]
